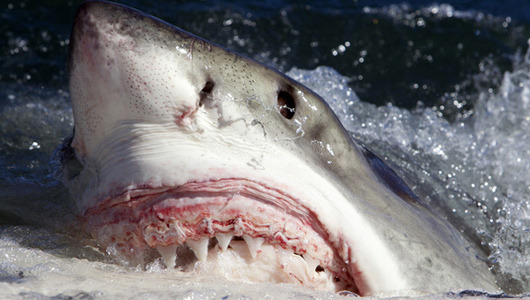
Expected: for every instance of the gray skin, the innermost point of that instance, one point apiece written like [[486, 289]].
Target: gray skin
[[430, 254]]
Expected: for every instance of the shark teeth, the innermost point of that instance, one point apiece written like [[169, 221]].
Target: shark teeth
[[200, 248], [305, 266], [312, 264], [168, 254], [223, 239], [253, 244], [261, 261]]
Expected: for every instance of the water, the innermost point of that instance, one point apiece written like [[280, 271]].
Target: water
[[441, 91]]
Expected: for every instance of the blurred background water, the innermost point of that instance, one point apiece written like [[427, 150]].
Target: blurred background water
[[441, 90]]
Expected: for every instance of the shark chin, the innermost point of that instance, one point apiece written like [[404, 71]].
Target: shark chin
[[208, 161]]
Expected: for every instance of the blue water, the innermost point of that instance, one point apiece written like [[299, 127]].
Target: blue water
[[434, 87]]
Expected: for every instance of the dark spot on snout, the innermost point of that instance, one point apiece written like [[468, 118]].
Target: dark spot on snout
[[286, 104], [206, 91]]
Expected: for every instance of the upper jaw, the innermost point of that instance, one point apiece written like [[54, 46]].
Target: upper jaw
[[211, 218]]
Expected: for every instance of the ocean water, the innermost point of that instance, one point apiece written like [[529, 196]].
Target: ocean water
[[440, 90]]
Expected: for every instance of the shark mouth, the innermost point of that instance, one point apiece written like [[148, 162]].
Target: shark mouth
[[236, 228]]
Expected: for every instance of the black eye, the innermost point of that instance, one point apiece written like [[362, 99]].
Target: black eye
[[286, 104]]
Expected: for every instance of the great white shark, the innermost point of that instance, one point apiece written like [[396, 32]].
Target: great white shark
[[188, 152]]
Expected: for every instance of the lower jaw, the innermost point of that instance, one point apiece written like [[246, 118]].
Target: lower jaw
[[238, 237]]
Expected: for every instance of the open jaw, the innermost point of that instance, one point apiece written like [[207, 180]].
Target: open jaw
[[236, 228]]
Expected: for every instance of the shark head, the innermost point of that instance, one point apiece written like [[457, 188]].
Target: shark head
[[209, 160]]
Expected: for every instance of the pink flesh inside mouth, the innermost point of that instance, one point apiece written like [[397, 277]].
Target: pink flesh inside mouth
[[212, 217]]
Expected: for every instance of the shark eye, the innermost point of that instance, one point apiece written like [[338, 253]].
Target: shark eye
[[286, 104]]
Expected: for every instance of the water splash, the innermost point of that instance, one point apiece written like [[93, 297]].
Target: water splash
[[478, 165]]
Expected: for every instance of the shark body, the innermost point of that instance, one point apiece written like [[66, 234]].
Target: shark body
[[189, 152]]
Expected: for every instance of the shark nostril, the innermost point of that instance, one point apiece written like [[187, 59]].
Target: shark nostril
[[286, 104], [206, 90], [208, 87]]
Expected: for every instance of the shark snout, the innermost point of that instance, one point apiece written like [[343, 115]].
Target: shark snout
[[116, 78]]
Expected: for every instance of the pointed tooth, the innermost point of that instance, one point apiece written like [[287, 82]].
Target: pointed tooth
[[169, 254], [200, 248], [293, 264], [253, 244], [223, 239], [283, 256], [312, 263]]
